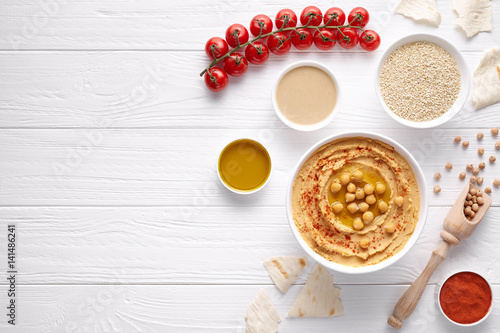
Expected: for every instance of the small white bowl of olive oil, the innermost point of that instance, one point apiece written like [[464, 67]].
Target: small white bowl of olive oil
[[244, 166]]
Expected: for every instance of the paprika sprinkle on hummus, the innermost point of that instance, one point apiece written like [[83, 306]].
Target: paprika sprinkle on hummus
[[465, 298]]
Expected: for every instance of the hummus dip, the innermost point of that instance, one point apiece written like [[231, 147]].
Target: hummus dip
[[356, 201]]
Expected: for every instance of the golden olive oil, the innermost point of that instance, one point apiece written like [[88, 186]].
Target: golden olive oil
[[244, 165]]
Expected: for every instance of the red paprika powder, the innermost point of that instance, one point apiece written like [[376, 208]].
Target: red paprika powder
[[465, 297]]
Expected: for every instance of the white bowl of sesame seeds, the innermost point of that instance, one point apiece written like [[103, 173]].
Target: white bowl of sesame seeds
[[422, 81]]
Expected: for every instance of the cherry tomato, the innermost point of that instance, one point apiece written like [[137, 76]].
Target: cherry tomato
[[236, 64], [257, 21], [279, 43], [334, 16], [324, 39], [369, 40], [347, 37], [311, 15], [236, 30], [257, 53], [218, 45], [358, 17], [302, 38], [216, 79], [289, 16]]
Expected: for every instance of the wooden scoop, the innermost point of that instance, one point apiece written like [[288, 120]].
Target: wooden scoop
[[456, 228]]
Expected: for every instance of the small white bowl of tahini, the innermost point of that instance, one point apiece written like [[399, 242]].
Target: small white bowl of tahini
[[422, 81]]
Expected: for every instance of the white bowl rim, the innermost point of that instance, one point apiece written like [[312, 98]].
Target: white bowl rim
[[464, 77], [239, 191], [445, 278], [320, 124], [422, 185]]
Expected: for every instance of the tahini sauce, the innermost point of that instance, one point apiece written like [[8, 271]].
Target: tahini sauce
[[306, 95]]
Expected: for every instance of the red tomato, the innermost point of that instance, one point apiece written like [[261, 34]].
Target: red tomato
[[216, 79], [257, 53], [279, 43], [334, 16], [258, 21], [218, 46], [235, 65], [236, 32], [289, 16], [369, 40], [358, 17], [347, 37], [302, 38], [324, 39], [311, 15]]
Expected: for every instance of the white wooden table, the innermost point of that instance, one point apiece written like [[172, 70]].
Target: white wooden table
[[108, 145]]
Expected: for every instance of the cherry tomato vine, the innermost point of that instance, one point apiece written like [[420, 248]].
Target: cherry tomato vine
[[256, 51]]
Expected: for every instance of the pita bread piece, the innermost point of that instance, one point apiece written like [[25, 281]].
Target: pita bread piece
[[487, 79], [319, 297], [474, 15], [261, 315], [420, 10], [285, 270]]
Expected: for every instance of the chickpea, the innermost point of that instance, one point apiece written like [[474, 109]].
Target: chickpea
[[335, 187], [496, 182], [337, 207], [480, 135], [475, 171], [369, 189], [487, 190], [492, 159], [358, 224], [357, 175], [457, 139], [399, 200], [349, 197], [480, 151], [380, 188], [363, 207], [497, 145], [479, 193], [352, 208], [494, 131], [473, 179], [482, 165], [345, 179], [465, 144], [351, 188], [368, 217], [390, 227], [462, 175], [475, 207], [382, 206], [360, 194], [480, 180], [473, 191], [437, 175], [371, 199], [449, 166], [469, 167], [437, 189], [469, 196], [480, 201], [364, 243]]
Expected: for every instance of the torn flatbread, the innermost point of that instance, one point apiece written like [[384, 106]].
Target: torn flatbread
[[261, 315], [474, 15], [420, 10], [285, 270], [487, 79], [319, 297]]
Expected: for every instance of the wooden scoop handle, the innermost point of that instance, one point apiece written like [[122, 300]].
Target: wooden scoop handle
[[410, 298]]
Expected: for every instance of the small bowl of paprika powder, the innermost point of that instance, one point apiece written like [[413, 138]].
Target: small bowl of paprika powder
[[465, 298]]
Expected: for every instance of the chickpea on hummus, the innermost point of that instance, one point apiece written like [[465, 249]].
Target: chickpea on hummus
[[356, 201]]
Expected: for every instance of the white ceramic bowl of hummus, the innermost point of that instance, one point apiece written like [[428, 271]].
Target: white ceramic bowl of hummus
[[422, 213], [464, 79], [306, 95]]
